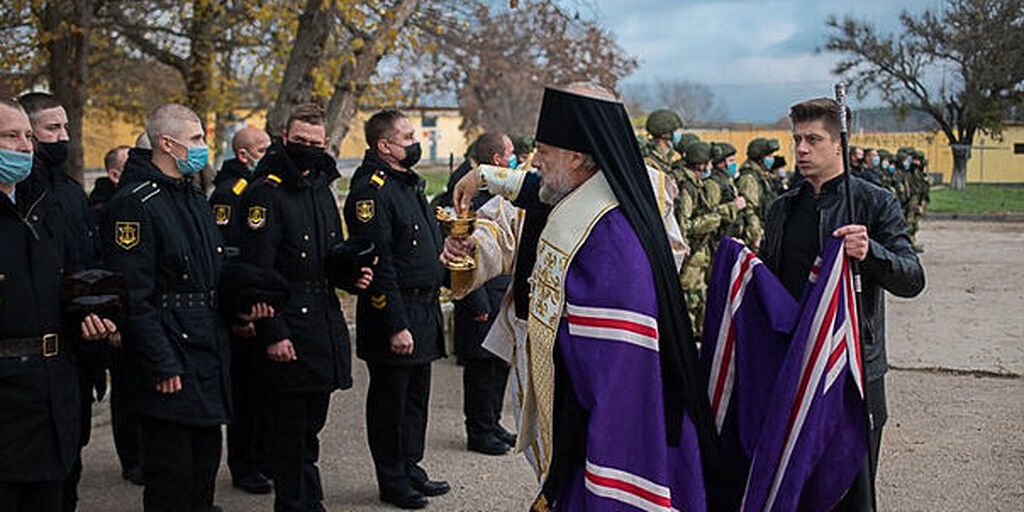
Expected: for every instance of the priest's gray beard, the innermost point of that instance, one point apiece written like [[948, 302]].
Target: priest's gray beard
[[554, 187]]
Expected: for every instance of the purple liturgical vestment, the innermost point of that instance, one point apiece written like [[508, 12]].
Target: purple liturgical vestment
[[608, 340]]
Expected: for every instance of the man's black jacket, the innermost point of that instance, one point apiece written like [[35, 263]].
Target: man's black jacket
[[389, 208], [226, 199], [39, 397], [891, 263], [160, 234], [289, 222]]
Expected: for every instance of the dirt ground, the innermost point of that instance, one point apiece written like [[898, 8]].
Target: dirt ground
[[954, 441]]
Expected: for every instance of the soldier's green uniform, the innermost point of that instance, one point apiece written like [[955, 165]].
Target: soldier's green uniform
[[919, 196], [699, 218], [887, 171], [724, 192], [755, 185], [657, 149]]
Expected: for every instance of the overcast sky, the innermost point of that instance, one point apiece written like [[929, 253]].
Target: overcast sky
[[758, 57]]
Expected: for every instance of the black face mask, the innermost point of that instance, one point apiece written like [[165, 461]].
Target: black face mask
[[412, 155], [304, 157], [52, 153]]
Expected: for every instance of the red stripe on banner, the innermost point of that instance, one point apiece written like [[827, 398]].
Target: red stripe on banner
[[640, 492], [735, 288], [819, 342], [835, 355], [851, 312], [611, 323], [723, 370]]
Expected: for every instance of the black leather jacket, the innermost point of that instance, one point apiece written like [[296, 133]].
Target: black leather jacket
[[891, 263]]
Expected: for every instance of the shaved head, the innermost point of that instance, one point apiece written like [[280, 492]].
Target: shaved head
[[171, 120], [248, 137]]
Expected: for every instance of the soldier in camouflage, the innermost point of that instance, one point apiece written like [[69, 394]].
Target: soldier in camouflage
[[732, 205], [663, 131], [755, 185], [699, 218]]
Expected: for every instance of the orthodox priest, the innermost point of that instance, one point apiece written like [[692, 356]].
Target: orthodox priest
[[612, 410]]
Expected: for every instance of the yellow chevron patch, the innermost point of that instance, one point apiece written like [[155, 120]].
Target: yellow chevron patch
[[379, 301]]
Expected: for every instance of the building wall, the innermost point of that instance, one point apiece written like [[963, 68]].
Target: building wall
[[993, 161]]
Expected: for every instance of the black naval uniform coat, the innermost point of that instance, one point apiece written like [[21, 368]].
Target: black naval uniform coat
[[226, 199], [39, 396], [159, 232], [291, 221], [389, 208]]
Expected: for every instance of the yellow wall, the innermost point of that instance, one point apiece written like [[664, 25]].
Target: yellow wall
[[997, 164], [104, 131]]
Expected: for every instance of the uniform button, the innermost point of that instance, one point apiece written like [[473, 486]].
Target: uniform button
[[305, 237], [302, 254], [304, 310], [415, 243], [184, 276], [184, 335], [35, 218], [415, 227], [220, 249], [332, 234]]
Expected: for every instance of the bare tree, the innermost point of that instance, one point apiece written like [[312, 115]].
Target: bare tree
[[693, 101], [973, 45], [315, 25]]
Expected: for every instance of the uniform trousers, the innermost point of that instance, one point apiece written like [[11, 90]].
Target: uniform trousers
[[483, 383], [294, 421], [180, 466], [396, 423], [247, 441]]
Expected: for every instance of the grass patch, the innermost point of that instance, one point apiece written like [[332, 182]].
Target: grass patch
[[436, 178], [977, 199]]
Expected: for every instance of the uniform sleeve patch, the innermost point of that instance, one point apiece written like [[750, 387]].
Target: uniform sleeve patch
[[222, 214], [379, 301], [365, 210], [239, 186], [127, 234], [257, 217]]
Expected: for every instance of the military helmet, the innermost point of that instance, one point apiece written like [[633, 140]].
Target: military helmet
[[885, 154], [721, 150], [697, 152], [761, 147], [663, 122], [522, 144], [685, 139]]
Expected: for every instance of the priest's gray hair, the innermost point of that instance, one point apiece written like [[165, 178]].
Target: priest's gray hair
[[167, 119]]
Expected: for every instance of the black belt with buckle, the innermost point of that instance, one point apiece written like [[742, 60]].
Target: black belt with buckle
[[45, 346], [198, 300]]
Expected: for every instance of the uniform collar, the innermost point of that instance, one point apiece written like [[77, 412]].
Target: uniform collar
[[407, 177]]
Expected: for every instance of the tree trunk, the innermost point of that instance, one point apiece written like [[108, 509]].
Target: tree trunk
[[199, 69], [69, 23], [355, 74], [315, 24], [961, 154]]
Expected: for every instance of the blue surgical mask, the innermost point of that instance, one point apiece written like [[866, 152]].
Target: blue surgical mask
[[195, 159], [15, 166], [732, 169], [513, 162], [769, 161], [906, 165], [676, 137], [875, 161]]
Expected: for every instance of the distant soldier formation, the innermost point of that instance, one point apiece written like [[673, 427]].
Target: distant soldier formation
[[720, 197]]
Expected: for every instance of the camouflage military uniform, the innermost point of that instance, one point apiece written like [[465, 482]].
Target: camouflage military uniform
[[756, 187], [699, 219]]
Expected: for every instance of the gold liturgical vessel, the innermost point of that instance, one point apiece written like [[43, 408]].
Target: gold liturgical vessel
[[458, 226]]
